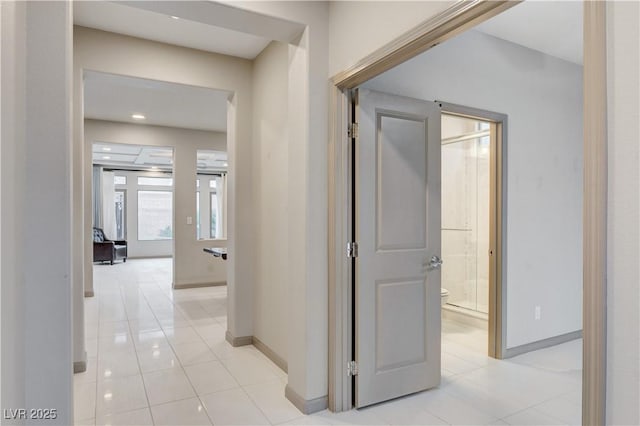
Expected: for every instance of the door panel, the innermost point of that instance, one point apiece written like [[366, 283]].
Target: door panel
[[400, 162], [398, 230], [409, 346]]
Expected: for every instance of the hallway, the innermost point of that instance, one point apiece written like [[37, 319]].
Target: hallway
[[149, 346], [158, 356]]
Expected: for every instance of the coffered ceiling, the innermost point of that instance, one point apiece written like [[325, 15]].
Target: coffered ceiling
[[141, 157]]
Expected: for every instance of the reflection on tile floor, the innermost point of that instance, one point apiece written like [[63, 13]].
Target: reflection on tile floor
[[159, 357]]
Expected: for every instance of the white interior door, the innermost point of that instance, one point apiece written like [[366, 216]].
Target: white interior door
[[397, 227]]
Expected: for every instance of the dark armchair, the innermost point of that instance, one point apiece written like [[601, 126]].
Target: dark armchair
[[106, 250]]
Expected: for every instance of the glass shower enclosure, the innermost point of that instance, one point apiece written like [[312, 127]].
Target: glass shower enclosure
[[465, 212]]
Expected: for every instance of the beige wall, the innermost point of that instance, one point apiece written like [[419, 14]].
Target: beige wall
[[307, 356], [190, 264], [358, 28], [36, 208], [271, 201], [12, 187], [623, 272]]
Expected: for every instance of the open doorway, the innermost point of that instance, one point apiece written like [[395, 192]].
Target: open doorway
[[171, 331], [473, 228], [541, 179], [132, 201], [465, 219], [148, 161], [466, 198]]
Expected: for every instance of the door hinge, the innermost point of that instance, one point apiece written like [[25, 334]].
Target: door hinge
[[352, 368], [352, 249], [352, 132]]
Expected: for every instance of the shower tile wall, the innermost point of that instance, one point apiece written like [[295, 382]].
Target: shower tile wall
[[465, 215]]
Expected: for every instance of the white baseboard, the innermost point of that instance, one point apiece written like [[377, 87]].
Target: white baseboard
[[269, 353], [306, 406], [236, 341], [541, 344], [182, 286]]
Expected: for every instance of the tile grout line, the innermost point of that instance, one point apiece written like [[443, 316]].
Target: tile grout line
[[240, 386], [144, 296], [550, 415], [253, 401], [223, 366], [157, 292], [135, 350], [95, 402], [184, 371]]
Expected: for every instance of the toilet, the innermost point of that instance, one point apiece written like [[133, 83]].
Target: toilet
[[444, 296]]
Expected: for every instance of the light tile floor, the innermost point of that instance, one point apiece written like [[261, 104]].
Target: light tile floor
[[158, 356]]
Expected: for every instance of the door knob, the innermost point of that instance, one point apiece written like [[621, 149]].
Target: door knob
[[434, 263]]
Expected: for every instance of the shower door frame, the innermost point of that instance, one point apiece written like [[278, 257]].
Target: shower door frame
[[496, 329]]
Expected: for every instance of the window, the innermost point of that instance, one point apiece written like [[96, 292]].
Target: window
[[210, 209], [198, 234], [121, 228], [214, 214], [119, 180], [155, 215], [483, 125], [155, 181]]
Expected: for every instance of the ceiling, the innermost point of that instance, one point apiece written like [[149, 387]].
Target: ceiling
[[551, 27], [141, 157], [205, 25], [133, 21], [116, 98]]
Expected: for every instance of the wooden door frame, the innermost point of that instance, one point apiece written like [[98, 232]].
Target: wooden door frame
[[451, 22]]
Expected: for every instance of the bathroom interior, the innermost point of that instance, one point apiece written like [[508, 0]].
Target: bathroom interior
[[465, 229]]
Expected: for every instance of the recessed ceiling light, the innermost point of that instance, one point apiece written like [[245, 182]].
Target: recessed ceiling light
[[174, 17], [138, 117], [154, 167], [106, 148], [106, 157], [226, 164]]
